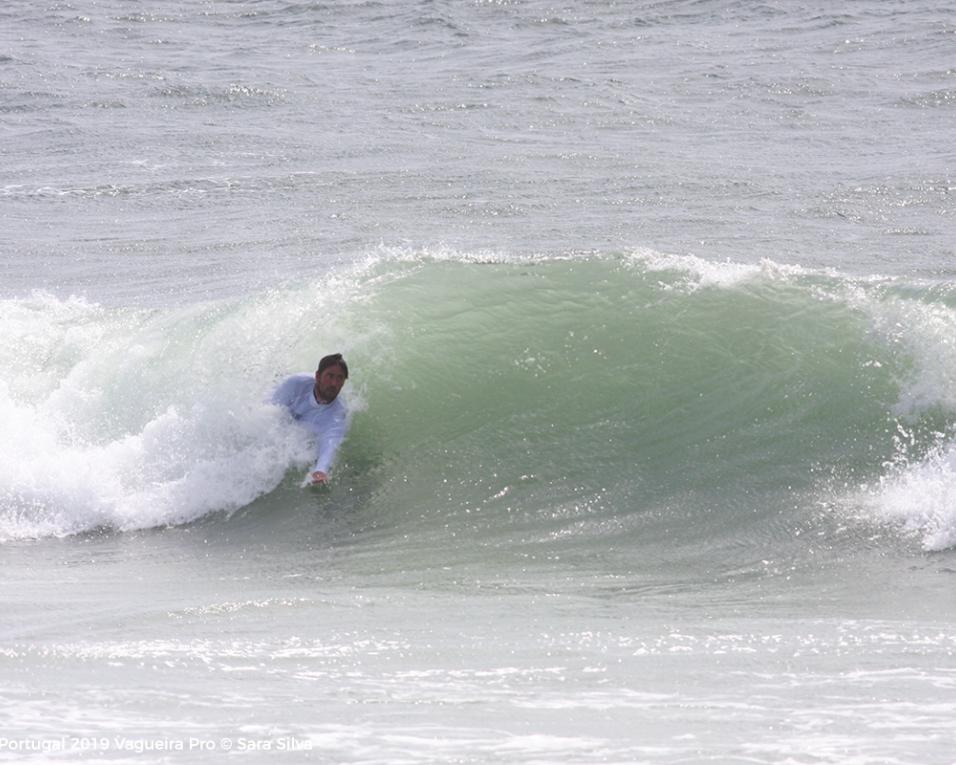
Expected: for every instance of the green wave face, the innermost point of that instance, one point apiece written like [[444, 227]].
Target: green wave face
[[587, 402]]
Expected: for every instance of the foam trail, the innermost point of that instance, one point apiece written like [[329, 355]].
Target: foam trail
[[180, 466], [135, 419]]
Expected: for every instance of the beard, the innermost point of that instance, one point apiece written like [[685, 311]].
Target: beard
[[326, 395]]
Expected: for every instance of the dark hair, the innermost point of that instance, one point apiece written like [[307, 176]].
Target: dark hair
[[332, 360]]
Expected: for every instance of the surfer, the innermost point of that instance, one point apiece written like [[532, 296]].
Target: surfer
[[314, 402]]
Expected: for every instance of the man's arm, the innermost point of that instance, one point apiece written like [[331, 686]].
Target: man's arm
[[329, 439]]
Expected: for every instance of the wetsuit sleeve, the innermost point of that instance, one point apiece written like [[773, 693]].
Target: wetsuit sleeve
[[329, 441], [282, 395]]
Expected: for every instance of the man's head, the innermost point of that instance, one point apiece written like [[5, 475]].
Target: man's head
[[330, 377]]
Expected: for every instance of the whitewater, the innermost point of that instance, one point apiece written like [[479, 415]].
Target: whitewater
[[649, 311]]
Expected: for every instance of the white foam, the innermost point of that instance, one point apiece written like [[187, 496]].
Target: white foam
[[180, 466], [138, 419], [700, 273], [924, 335], [920, 498]]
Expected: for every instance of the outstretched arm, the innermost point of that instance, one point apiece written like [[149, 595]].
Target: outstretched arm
[[327, 445]]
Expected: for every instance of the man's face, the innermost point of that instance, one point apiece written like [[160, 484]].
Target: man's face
[[329, 383]]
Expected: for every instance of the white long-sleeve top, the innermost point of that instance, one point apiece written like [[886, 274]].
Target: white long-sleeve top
[[328, 422]]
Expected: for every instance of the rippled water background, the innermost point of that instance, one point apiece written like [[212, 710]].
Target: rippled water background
[[221, 144]]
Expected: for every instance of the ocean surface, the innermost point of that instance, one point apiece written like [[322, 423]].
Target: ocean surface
[[650, 310]]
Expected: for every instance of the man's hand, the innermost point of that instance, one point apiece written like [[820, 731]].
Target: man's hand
[[318, 478]]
